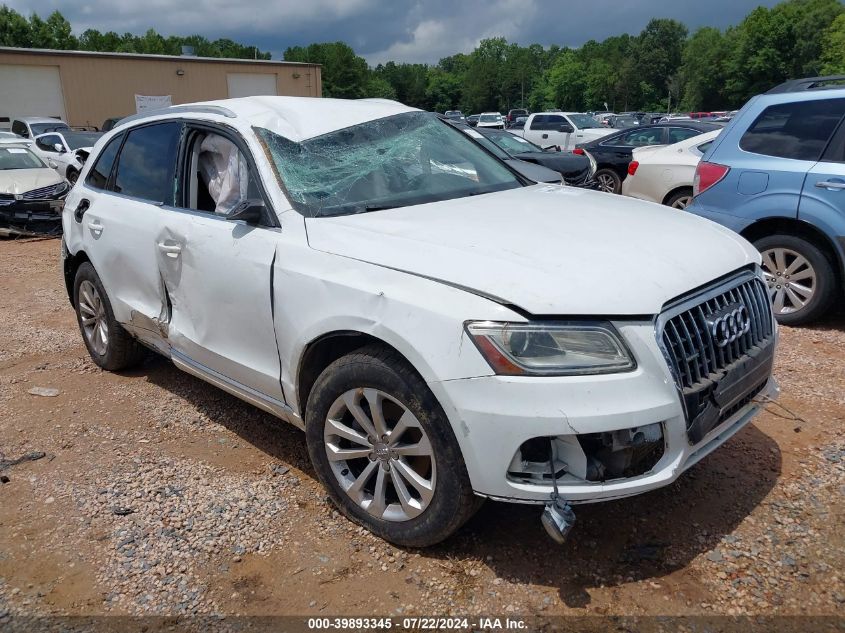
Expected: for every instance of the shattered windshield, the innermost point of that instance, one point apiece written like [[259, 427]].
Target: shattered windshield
[[407, 159]]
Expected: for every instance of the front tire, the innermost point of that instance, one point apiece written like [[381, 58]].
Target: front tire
[[109, 345], [608, 181], [800, 278], [72, 176], [384, 450]]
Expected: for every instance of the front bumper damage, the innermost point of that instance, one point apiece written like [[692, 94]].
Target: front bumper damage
[[31, 217], [613, 436]]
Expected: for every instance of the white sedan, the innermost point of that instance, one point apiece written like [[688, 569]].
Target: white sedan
[[66, 151], [664, 173]]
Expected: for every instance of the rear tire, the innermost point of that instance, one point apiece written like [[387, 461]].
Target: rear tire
[[378, 385], [800, 278], [608, 181], [680, 200], [109, 344], [72, 176]]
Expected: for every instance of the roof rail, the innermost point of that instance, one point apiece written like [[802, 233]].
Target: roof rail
[[809, 83], [197, 109]]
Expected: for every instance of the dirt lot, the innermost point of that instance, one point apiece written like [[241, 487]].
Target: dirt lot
[[159, 494]]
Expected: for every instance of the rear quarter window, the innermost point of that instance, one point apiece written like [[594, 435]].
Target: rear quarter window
[[794, 130]]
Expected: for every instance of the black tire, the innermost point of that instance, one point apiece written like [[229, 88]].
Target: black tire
[[121, 350], [72, 176], [376, 367], [609, 181], [825, 279], [677, 197]]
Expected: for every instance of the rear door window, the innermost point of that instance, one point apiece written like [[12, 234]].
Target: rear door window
[[794, 130], [146, 167], [98, 177]]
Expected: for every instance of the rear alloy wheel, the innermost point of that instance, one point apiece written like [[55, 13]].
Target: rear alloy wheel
[[799, 277], [385, 451], [680, 199], [109, 344], [608, 181]]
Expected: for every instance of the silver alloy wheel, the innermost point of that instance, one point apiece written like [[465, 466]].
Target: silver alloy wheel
[[606, 183], [682, 202], [92, 313], [790, 277], [380, 454]]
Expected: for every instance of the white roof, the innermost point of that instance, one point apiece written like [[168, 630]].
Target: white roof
[[301, 118], [39, 119]]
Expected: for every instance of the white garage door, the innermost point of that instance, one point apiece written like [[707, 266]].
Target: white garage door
[[31, 91], [250, 84]]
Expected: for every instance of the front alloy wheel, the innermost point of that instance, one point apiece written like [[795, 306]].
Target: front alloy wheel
[[385, 450], [380, 454]]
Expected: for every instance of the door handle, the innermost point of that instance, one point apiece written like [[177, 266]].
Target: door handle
[[171, 250], [831, 185], [81, 208], [545, 136], [95, 227]]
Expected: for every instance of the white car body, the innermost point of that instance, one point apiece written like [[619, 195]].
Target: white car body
[[31, 126], [666, 170], [412, 278], [541, 128], [55, 149], [491, 119]]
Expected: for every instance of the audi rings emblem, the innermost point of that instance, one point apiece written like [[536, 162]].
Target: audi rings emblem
[[728, 324]]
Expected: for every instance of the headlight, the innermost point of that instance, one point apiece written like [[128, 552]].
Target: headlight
[[551, 349], [61, 188]]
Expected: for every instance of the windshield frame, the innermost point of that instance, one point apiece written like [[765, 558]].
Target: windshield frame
[[309, 210]]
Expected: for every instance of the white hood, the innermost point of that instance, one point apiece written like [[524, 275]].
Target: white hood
[[549, 250], [18, 181]]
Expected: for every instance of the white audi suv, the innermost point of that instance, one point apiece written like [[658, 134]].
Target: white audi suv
[[441, 328]]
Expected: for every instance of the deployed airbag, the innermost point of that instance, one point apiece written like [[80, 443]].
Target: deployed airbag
[[225, 172]]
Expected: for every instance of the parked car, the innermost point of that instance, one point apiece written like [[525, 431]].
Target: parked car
[[513, 114], [472, 120], [562, 129], [664, 173], [612, 153], [490, 120], [519, 124], [576, 171], [604, 117], [32, 126], [9, 137], [403, 287], [777, 177], [66, 151], [455, 114], [31, 193], [650, 118], [109, 124], [532, 171], [623, 122]]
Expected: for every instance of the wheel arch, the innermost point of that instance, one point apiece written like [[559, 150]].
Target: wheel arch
[[790, 226], [327, 348], [70, 265], [676, 190]]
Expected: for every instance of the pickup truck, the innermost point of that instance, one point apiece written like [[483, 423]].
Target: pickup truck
[[564, 129]]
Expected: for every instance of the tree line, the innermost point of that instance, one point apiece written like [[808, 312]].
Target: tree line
[[664, 67]]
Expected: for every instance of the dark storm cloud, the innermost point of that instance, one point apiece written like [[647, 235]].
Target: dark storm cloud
[[402, 30]]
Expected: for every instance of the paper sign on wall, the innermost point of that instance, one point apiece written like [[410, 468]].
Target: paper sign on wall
[[147, 102]]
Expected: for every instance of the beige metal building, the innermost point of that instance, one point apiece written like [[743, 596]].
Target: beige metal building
[[85, 88]]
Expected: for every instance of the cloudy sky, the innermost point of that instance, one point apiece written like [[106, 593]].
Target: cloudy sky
[[380, 30]]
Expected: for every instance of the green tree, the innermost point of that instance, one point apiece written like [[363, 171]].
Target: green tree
[[833, 48], [703, 71], [345, 74], [14, 28]]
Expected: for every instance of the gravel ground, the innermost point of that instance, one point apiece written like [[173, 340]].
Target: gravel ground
[[159, 494]]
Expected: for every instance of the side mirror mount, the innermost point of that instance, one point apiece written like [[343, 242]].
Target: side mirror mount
[[250, 211], [565, 128]]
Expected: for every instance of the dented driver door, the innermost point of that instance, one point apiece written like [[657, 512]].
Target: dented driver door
[[217, 278]]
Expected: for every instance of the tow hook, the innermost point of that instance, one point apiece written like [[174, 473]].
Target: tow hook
[[558, 519]]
